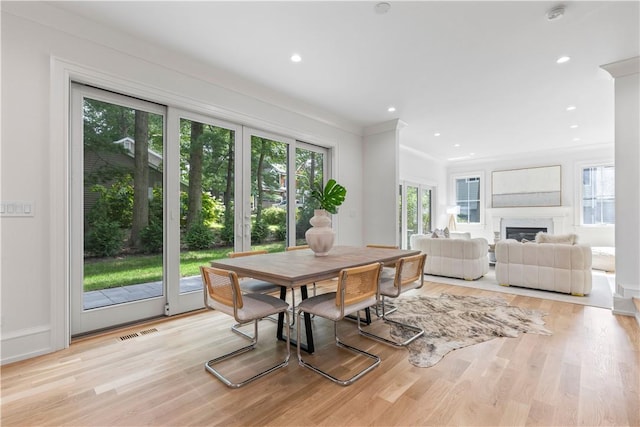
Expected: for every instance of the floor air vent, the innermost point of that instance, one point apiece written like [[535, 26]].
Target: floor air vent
[[128, 337], [137, 334]]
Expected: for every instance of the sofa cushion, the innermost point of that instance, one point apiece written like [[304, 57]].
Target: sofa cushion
[[566, 239]]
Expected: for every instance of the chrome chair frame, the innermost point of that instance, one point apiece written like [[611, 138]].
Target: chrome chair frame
[[253, 286], [399, 281], [215, 302], [367, 299]]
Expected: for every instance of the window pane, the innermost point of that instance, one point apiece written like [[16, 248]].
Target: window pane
[[400, 213], [269, 193], [123, 208], [206, 197], [309, 167], [426, 210], [412, 211], [598, 195], [468, 198]]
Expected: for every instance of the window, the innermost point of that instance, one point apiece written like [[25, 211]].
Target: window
[[468, 198], [598, 195]]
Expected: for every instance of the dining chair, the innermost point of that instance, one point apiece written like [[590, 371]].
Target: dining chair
[[223, 293], [357, 288], [389, 270], [409, 275], [251, 285]]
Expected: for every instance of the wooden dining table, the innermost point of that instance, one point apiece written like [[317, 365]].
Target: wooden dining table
[[297, 269]]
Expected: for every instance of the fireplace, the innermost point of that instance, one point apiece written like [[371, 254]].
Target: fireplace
[[525, 227], [519, 233]]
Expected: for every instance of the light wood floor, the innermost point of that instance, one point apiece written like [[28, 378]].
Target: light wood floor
[[586, 373]]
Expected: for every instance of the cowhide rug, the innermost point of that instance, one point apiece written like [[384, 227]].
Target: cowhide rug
[[451, 322]]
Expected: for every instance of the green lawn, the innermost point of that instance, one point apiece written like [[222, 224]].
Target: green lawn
[[106, 273]]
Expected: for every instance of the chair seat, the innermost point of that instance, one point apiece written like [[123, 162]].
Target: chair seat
[[388, 273], [254, 306], [387, 287], [325, 306], [257, 286]]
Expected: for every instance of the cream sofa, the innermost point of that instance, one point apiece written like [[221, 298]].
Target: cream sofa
[[459, 256], [555, 267]]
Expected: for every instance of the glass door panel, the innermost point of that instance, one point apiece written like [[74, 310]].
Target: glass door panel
[[412, 211], [401, 219], [269, 193], [206, 198], [117, 212], [426, 210], [310, 171], [415, 211]]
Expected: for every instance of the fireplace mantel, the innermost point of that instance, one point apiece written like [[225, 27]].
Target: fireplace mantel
[[555, 216]]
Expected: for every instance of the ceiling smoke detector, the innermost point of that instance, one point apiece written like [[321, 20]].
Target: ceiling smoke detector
[[555, 13], [382, 8]]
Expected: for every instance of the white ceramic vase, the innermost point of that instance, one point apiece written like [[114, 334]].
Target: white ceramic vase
[[320, 236]]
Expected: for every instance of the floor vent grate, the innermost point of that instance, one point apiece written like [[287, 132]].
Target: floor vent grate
[[137, 334], [129, 336]]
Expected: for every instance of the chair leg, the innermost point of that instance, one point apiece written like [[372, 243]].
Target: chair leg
[[209, 365], [417, 332], [293, 305], [343, 382]]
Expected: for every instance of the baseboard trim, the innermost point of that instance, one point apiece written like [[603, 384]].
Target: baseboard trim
[[25, 343]]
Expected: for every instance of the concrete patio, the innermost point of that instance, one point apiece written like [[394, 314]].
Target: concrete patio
[[106, 297]]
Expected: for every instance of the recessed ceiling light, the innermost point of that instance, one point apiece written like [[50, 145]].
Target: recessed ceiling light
[[456, 145], [576, 139], [472, 154], [573, 126], [436, 134], [391, 109], [563, 59], [296, 58], [571, 107]]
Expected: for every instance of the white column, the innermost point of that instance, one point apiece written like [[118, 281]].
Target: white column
[[627, 158], [381, 166]]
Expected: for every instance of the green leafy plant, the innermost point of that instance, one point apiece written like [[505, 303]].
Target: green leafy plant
[[199, 236], [330, 197]]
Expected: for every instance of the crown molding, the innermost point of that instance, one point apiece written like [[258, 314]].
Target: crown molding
[[626, 67]]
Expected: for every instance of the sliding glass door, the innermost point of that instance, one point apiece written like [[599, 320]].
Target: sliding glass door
[[157, 191], [311, 163], [276, 202], [116, 213], [202, 182], [415, 210]]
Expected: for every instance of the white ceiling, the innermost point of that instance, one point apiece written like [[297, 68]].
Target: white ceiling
[[482, 74]]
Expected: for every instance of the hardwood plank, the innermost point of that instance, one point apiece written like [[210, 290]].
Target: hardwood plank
[[586, 373]]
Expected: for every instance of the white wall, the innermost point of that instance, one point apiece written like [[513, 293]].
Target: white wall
[[41, 47], [570, 161], [380, 177]]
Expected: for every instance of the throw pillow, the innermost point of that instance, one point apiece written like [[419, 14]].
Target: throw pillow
[[566, 239], [434, 235], [446, 232]]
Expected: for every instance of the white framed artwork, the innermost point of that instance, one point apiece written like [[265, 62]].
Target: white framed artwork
[[537, 186]]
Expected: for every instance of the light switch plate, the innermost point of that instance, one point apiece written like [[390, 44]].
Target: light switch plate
[[16, 208]]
